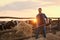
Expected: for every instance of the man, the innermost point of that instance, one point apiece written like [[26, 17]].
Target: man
[[41, 22]]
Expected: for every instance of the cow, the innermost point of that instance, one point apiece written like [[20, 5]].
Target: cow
[[8, 25]]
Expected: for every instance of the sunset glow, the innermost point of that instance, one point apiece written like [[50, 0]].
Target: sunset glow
[[29, 8], [35, 21]]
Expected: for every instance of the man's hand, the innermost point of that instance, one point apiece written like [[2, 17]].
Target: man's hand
[[47, 21]]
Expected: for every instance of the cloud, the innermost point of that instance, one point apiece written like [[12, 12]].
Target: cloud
[[23, 5], [18, 6], [55, 2], [4, 2]]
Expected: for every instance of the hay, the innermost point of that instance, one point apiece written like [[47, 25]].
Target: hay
[[24, 29], [58, 33], [51, 36]]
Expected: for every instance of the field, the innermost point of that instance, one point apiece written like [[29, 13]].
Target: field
[[24, 31]]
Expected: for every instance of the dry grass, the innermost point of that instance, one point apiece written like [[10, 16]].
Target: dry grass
[[24, 29]]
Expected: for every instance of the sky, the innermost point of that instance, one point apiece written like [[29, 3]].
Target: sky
[[29, 8]]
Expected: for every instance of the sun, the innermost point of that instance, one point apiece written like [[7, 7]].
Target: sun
[[35, 21]]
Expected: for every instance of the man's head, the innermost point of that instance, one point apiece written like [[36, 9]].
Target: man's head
[[39, 10]]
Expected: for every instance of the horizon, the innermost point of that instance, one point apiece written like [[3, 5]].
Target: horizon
[[23, 18]]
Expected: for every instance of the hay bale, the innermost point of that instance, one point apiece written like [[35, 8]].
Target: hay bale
[[23, 29]]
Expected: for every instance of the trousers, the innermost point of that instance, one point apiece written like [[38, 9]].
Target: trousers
[[40, 30]]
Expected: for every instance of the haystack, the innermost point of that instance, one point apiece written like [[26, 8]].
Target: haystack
[[24, 29]]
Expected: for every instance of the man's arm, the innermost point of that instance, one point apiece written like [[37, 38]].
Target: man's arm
[[47, 21], [45, 16]]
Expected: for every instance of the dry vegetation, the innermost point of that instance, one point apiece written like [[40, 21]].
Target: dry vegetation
[[22, 30], [25, 30]]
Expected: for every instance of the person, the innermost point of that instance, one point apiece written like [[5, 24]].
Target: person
[[41, 23]]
